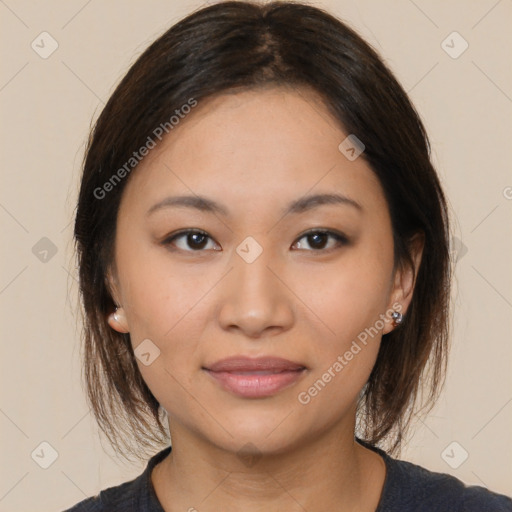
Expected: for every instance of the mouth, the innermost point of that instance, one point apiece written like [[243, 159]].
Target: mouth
[[255, 377]]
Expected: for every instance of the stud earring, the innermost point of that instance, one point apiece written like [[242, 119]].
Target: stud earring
[[116, 314], [397, 317]]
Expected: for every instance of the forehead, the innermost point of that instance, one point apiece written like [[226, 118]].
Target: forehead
[[253, 146], [286, 122]]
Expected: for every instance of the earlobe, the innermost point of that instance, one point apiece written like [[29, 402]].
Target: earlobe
[[404, 283], [117, 320]]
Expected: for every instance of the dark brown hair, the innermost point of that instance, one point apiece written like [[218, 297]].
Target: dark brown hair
[[228, 47]]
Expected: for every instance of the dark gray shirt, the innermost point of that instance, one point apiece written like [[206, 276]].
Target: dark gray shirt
[[407, 488]]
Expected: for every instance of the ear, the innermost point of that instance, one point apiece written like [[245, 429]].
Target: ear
[[117, 319], [405, 279], [111, 284]]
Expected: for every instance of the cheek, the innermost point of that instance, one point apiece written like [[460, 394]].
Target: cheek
[[350, 295], [158, 295], [168, 306], [349, 299]]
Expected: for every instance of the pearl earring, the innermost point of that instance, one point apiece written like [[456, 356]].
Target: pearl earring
[[116, 314]]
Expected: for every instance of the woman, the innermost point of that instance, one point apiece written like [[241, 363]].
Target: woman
[[264, 268]]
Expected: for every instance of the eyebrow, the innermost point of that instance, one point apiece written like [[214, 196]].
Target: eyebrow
[[301, 205]]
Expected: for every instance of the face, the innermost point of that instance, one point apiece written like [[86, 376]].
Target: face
[[267, 272]]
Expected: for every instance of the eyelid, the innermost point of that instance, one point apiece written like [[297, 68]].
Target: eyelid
[[328, 231], [185, 231], [340, 238]]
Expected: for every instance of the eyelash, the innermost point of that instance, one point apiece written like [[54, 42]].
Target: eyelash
[[340, 238]]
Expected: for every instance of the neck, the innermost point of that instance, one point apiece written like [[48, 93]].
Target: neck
[[331, 472]]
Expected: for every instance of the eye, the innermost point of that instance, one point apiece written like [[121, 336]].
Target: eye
[[318, 240], [194, 239]]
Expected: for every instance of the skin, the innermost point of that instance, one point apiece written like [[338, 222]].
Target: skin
[[254, 152]]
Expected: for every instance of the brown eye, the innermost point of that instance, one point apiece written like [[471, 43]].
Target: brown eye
[[190, 240], [319, 240]]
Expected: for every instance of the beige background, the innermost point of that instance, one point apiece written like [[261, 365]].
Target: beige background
[[47, 106]]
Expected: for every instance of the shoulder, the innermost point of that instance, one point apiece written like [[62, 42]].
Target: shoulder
[[137, 494], [119, 498], [412, 487]]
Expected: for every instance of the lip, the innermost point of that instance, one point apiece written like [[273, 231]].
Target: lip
[[255, 377]]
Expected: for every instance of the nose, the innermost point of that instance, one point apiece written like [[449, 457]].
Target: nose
[[255, 299]]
